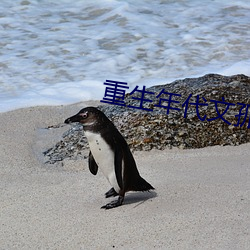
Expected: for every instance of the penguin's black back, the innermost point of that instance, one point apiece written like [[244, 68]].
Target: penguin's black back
[[131, 178]]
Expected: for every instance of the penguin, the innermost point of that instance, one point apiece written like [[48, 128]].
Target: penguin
[[110, 152]]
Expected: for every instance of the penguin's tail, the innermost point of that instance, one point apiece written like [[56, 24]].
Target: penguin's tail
[[141, 185]]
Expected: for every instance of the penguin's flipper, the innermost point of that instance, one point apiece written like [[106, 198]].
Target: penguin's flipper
[[118, 166], [111, 193], [115, 203], [93, 167]]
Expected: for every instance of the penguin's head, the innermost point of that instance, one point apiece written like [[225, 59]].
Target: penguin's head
[[89, 116]]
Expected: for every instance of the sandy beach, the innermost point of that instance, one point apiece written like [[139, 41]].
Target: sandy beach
[[201, 198]]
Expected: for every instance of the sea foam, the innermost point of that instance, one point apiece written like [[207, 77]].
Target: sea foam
[[61, 52]]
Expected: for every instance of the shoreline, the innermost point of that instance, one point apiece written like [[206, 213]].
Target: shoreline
[[201, 198]]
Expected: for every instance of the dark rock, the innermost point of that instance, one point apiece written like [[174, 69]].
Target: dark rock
[[145, 130]]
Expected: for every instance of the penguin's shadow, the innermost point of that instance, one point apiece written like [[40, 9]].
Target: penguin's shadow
[[137, 198]]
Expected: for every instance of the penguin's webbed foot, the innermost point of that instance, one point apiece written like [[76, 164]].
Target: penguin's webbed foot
[[113, 204], [111, 193]]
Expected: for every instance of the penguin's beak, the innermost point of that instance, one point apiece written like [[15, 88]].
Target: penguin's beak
[[74, 118]]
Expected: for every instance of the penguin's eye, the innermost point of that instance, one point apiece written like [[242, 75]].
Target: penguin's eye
[[84, 115]]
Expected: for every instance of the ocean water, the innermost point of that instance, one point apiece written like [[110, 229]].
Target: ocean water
[[61, 52]]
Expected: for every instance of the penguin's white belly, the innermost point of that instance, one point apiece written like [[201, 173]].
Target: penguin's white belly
[[104, 157]]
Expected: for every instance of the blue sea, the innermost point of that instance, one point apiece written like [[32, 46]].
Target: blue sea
[[61, 52]]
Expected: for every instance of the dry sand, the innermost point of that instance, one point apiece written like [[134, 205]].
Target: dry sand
[[201, 201]]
